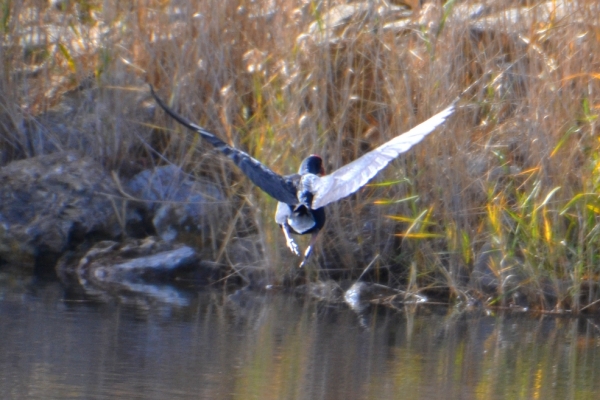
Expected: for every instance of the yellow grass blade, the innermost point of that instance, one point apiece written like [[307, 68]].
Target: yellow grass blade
[[410, 220], [390, 201], [419, 235], [70, 61]]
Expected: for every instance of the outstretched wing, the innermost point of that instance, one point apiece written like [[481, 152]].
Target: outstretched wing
[[274, 185], [351, 177]]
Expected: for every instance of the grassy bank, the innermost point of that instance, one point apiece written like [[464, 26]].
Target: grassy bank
[[506, 192]]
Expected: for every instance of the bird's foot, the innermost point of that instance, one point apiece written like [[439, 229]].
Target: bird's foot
[[292, 246], [306, 255]]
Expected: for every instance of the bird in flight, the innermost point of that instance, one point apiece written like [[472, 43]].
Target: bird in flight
[[303, 196]]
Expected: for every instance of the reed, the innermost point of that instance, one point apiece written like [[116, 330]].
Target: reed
[[515, 171]]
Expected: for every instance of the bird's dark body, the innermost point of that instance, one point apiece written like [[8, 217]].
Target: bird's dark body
[[302, 197], [301, 219]]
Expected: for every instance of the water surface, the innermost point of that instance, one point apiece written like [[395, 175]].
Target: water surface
[[214, 345]]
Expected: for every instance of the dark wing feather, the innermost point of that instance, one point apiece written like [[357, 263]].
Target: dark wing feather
[[274, 185], [351, 177]]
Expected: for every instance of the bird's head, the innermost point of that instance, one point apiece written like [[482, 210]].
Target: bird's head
[[312, 164]]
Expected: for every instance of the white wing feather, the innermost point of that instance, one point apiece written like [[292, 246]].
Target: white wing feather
[[351, 177]]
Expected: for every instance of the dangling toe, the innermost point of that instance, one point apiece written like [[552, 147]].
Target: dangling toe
[[292, 246]]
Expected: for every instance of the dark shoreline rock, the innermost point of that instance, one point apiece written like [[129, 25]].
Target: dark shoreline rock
[[63, 213], [177, 207], [134, 267], [52, 203]]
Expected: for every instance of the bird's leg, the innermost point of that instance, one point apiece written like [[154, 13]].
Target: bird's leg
[[289, 241], [309, 249]]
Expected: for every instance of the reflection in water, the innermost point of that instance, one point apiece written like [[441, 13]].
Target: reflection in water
[[276, 346]]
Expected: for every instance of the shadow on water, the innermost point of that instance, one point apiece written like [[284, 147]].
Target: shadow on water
[[249, 345]]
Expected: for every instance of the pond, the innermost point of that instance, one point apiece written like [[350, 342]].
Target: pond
[[210, 344]]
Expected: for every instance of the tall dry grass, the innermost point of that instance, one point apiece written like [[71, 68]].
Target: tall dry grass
[[507, 190]]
